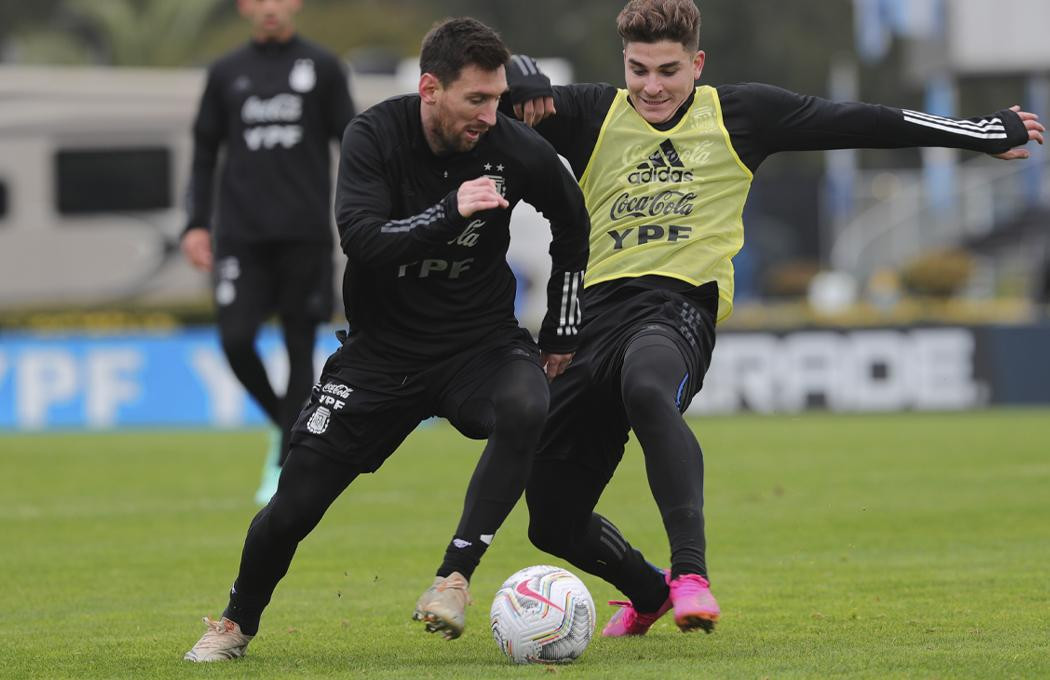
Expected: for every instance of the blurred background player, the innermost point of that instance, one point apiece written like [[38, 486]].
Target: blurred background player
[[666, 167], [426, 187], [274, 106]]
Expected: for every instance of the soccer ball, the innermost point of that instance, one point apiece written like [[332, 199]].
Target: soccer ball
[[542, 614]]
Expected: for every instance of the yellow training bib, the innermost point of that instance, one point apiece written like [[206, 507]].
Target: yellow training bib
[[666, 203]]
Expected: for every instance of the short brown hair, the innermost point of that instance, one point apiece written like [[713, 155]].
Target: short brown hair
[[454, 43], [650, 21]]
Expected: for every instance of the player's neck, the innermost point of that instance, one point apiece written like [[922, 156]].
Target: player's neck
[[675, 117], [281, 37], [430, 134]]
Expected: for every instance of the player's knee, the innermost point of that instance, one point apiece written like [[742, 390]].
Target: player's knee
[[292, 516], [549, 517], [549, 535], [289, 526], [526, 411], [645, 399], [521, 412], [237, 341], [300, 335]]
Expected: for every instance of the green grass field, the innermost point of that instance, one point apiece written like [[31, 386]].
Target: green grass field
[[878, 546]]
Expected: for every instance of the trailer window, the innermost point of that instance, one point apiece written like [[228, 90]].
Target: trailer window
[[113, 180]]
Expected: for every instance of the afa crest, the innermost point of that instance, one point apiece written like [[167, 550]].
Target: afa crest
[[303, 77], [318, 422]]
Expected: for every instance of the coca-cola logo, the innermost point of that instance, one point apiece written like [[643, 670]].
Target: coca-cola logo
[[669, 202], [284, 108]]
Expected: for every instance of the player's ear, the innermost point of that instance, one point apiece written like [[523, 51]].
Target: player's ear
[[698, 64], [429, 86]]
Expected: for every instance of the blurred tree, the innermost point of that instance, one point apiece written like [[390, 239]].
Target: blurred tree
[[119, 32], [340, 25], [19, 15], [786, 43]]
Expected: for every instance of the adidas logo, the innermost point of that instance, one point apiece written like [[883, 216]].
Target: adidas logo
[[662, 166]]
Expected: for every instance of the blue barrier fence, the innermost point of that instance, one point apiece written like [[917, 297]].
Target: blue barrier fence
[[178, 378], [181, 378]]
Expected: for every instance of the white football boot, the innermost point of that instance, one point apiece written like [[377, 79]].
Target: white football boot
[[443, 606], [223, 640]]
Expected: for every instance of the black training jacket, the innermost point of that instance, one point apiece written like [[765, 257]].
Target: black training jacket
[[422, 282], [274, 108]]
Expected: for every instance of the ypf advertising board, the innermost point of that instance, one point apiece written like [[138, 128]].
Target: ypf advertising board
[[181, 378], [93, 381], [885, 369]]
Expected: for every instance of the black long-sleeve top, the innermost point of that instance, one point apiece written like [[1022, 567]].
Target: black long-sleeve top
[[275, 107], [761, 120], [422, 282]]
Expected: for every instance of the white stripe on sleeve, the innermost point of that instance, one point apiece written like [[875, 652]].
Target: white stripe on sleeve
[[958, 130], [571, 314]]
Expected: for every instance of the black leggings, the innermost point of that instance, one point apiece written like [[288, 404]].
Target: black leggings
[[310, 483], [509, 409], [238, 333], [562, 494]]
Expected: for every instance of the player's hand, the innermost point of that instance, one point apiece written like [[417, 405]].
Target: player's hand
[[196, 246], [554, 364], [535, 110], [477, 195], [1035, 134]]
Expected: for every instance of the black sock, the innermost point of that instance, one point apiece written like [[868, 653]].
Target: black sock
[[685, 528], [652, 594], [618, 562], [463, 555], [245, 611]]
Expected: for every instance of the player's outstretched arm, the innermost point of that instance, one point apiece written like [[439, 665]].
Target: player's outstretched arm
[[779, 120], [531, 94], [1035, 134], [570, 117]]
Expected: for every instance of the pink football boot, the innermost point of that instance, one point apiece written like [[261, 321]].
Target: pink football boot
[[694, 605]]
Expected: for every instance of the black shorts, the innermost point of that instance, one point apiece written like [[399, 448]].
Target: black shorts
[[255, 280], [359, 414], [588, 422]]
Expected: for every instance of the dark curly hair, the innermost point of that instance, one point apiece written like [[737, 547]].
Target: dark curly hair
[[454, 43], [650, 21]]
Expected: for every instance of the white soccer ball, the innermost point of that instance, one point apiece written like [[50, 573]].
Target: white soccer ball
[[542, 614]]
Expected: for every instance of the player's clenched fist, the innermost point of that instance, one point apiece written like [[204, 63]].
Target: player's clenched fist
[[477, 195]]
